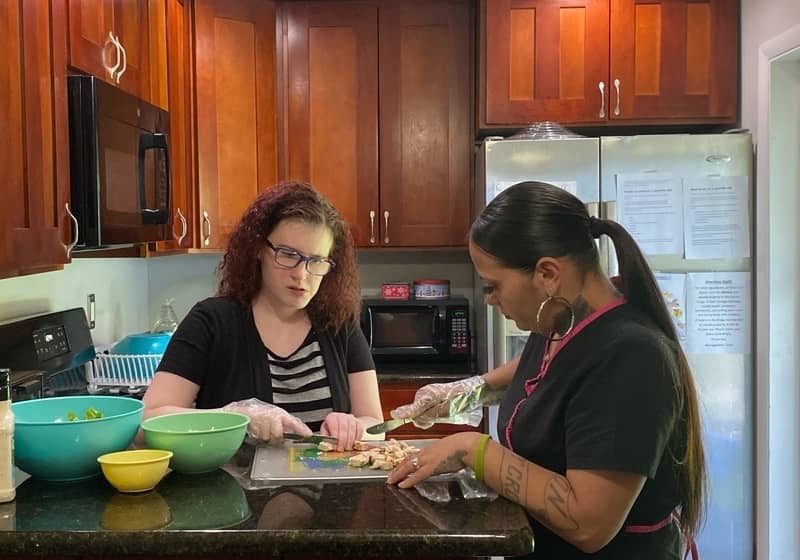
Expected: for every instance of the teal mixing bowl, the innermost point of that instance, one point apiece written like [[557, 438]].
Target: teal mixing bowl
[[200, 441], [48, 446], [142, 343]]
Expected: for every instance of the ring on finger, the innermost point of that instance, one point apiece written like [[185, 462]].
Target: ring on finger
[[415, 463]]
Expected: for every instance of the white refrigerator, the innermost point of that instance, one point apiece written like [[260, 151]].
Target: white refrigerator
[[687, 200]]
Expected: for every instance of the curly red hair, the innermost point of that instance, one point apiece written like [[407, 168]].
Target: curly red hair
[[338, 300]]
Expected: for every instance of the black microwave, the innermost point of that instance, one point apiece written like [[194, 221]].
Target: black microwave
[[429, 329], [119, 165]]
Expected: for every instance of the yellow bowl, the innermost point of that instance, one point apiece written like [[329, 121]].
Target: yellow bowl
[[136, 470], [136, 512]]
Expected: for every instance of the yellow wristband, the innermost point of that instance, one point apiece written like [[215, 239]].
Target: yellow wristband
[[480, 455]]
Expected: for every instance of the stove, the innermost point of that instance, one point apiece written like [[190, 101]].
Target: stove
[[48, 356]]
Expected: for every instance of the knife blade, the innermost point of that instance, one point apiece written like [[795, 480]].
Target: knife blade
[[387, 426], [313, 438], [390, 425]]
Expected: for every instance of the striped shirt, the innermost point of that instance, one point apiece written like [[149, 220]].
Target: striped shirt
[[300, 383]]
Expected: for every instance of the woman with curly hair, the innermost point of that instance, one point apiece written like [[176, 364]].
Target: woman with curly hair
[[280, 342]]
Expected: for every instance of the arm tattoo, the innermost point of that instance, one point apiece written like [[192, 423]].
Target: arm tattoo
[[554, 510], [453, 463], [557, 495], [513, 478]]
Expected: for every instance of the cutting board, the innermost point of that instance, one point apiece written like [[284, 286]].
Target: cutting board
[[303, 463]]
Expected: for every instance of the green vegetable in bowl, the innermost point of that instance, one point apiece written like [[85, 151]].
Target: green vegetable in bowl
[[91, 414]]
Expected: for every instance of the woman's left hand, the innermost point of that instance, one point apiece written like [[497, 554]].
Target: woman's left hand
[[444, 456], [346, 428]]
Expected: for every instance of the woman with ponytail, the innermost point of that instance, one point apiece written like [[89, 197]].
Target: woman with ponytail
[[599, 427]]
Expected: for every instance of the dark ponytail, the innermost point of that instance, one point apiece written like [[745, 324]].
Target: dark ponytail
[[639, 286]]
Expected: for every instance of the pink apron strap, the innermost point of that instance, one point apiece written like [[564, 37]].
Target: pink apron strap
[[673, 517]]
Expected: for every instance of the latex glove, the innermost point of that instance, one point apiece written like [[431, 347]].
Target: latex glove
[[268, 422], [344, 427], [458, 402]]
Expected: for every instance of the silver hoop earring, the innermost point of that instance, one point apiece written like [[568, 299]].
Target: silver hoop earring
[[555, 336]]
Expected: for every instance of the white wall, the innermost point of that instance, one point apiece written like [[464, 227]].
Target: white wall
[[784, 307], [129, 292], [119, 285], [771, 109], [761, 21], [190, 278], [186, 279]]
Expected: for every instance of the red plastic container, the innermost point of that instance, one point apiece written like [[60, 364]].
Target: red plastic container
[[396, 290]]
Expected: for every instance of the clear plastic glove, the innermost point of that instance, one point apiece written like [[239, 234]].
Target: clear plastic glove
[[344, 427], [458, 402], [267, 421]]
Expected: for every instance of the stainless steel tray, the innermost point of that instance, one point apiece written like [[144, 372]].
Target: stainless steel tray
[[295, 463]]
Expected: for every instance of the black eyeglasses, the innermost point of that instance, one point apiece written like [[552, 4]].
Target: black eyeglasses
[[286, 257]]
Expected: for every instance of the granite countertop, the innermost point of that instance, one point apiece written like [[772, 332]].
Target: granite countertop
[[222, 513]]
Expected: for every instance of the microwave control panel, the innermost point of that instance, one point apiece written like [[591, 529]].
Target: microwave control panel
[[458, 327]]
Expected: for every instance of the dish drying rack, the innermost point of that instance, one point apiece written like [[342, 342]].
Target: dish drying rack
[[121, 370]]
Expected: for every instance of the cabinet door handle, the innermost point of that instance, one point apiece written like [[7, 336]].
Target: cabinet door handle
[[386, 226], [206, 227], [71, 246], [372, 227], [124, 59], [617, 110], [602, 87], [111, 69], [184, 228]]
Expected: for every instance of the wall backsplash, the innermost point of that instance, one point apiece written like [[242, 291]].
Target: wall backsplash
[[119, 285], [129, 292], [186, 279], [377, 267]]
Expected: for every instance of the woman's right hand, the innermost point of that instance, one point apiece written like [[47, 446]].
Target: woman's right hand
[[268, 422], [444, 400]]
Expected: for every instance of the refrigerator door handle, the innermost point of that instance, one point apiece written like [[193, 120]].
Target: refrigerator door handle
[[608, 255]]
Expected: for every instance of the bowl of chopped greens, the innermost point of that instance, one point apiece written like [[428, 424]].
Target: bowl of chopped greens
[[60, 438]]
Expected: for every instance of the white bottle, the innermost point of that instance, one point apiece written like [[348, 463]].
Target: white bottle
[[7, 482]]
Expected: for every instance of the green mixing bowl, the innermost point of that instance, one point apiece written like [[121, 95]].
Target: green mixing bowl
[[204, 501], [200, 441]]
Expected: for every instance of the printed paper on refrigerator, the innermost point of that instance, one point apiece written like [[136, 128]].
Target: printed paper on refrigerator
[[716, 217], [719, 313], [650, 207]]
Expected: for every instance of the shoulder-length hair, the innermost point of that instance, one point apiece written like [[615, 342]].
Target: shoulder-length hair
[[338, 300]]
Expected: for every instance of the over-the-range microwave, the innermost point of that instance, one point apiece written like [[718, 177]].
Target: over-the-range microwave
[[119, 165], [436, 330]]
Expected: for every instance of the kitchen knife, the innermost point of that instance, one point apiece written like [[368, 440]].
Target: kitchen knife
[[387, 426], [313, 438], [390, 425]]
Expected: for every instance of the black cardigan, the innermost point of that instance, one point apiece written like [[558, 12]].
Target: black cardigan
[[217, 346]]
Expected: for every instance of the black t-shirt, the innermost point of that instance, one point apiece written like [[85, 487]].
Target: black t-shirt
[[217, 346], [607, 401]]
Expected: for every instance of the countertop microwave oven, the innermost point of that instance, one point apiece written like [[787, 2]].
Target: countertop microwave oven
[[119, 165], [434, 330]]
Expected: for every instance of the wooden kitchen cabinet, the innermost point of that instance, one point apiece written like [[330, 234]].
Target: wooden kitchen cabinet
[[608, 61], [331, 106], [138, 29], [181, 121], [236, 124], [34, 163], [396, 393], [377, 102]]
